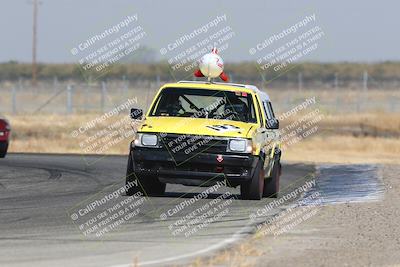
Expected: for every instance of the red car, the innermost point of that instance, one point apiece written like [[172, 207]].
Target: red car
[[4, 137]]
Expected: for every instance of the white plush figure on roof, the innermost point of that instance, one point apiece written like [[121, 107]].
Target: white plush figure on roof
[[211, 66]]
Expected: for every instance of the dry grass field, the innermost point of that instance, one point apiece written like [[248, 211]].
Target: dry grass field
[[355, 138], [357, 125], [363, 138]]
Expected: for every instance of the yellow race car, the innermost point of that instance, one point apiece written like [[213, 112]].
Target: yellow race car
[[199, 133]]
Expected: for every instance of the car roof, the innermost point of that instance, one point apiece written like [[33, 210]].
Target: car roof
[[220, 86]]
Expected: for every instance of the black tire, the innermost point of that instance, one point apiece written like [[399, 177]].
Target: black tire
[[151, 186], [3, 149], [253, 189], [148, 185], [130, 177], [271, 185]]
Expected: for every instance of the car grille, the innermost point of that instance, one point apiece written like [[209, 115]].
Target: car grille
[[193, 144]]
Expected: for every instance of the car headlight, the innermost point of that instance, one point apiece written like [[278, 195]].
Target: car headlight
[[146, 140], [240, 145]]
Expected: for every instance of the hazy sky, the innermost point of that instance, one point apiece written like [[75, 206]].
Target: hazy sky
[[353, 30]]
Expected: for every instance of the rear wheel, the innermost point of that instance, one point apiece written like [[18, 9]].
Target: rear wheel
[[3, 149], [271, 185], [148, 185], [253, 189]]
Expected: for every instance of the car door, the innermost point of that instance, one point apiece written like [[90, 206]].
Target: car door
[[271, 131], [263, 133]]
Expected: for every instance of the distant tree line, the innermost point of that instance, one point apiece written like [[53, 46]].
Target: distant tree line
[[244, 72]]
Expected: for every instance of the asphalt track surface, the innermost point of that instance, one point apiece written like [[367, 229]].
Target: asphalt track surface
[[40, 192]]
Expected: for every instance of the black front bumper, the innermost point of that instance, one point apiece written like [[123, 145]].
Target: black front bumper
[[235, 168]]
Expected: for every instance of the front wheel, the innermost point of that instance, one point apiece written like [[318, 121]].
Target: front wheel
[[253, 189], [148, 185]]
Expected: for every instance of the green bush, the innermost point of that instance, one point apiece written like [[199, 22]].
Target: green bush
[[245, 71]]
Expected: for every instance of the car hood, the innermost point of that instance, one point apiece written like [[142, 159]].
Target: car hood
[[197, 126]]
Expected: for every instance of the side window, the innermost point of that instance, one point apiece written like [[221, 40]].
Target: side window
[[270, 113], [270, 109], [259, 110], [267, 111]]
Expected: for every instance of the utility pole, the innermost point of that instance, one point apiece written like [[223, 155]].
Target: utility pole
[[336, 82], [34, 39], [336, 85], [365, 81], [300, 81]]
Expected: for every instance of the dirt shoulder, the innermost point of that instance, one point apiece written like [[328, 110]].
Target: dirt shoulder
[[351, 234]]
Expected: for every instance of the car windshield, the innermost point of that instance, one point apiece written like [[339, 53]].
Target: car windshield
[[200, 103]]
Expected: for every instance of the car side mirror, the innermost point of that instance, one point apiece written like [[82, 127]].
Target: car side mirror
[[272, 124], [136, 113]]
